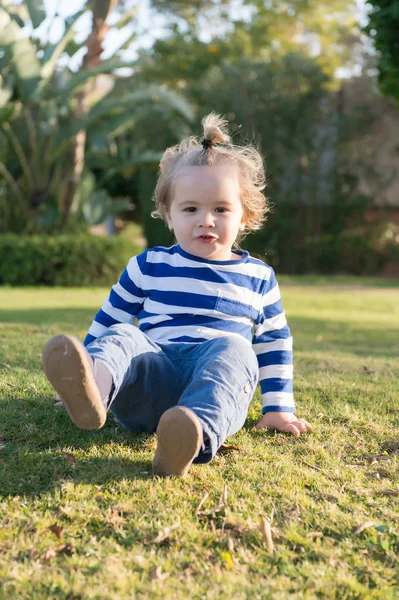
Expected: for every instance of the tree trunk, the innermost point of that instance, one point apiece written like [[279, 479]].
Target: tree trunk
[[92, 58]]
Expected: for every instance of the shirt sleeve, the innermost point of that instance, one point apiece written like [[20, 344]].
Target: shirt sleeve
[[272, 343], [124, 301]]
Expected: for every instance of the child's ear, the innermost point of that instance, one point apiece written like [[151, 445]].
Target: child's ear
[[242, 226]]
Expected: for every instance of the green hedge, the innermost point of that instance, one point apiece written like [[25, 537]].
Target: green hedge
[[63, 260]]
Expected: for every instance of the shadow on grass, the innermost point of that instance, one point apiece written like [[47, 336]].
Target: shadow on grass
[[42, 449]]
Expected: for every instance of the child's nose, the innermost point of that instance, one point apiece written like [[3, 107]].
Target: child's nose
[[207, 220]]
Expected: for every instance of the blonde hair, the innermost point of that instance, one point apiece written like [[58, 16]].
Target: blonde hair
[[220, 150]]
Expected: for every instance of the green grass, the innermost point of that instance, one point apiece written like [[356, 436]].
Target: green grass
[[97, 488]]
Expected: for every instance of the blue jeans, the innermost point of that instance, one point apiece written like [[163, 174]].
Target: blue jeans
[[216, 379]]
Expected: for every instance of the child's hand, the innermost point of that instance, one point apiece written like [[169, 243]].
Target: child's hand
[[284, 421]]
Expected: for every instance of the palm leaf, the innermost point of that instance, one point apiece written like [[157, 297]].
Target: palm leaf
[[151, 95], [11, 182], [5, 94], [36, 11], [126, 17], [20, 53], [49, 67], [124, 45], [106, 67]]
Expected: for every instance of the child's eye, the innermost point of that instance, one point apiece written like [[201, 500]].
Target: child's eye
[[190, 209], [221, 209]]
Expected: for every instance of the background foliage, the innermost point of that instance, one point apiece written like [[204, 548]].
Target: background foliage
[[63, 260], [383, 27], [77, 147]]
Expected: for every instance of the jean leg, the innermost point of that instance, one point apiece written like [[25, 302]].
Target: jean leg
[[221, 388], [146, 383]]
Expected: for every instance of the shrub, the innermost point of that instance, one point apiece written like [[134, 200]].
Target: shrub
[[364, 249], [63, 260]]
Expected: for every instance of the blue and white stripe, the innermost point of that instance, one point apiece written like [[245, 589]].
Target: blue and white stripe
[[178, 297]]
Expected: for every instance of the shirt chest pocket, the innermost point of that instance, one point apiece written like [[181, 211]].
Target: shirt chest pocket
[[231, 307], [245, 307]]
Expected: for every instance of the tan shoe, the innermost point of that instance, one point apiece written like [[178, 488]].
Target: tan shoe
[[179, 434], [67, 366]]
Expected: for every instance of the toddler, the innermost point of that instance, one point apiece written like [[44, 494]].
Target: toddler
[[210, 320]]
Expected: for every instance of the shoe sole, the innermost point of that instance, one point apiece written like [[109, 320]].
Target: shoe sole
[[67, 367], [179, 434]]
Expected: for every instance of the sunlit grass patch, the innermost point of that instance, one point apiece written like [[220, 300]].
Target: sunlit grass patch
[[82, 517]]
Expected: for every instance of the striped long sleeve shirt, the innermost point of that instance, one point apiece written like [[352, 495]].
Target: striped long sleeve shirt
[[178, 297]]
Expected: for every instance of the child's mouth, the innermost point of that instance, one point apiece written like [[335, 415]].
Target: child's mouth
[[206, 238]]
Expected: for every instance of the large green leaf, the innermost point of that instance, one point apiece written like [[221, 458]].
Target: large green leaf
[[125, 44], [127, 17], [36, 11], [106, 67], [112, 126], [96, 210], [150, 95], [5, 93], [20, 54], [49, 67], [84, 191], [19, 21]]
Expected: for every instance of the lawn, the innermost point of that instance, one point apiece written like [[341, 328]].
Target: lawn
[[82, 517]]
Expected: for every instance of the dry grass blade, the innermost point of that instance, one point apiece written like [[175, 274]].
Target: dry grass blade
[[266, 530], [51, 553], [157, 575], [165, 533], [225, 448], [212, 511], [358, 436], [48, 555], [68, 548], [363, 526], [5, 365], [117, 519], [373, 458], [204, 498], [308, 464], [388, 493], [223, 499], [140, 561], [313, 535], [188, 572], [369, 371], [70, 458], [216, 509], [57, 530]]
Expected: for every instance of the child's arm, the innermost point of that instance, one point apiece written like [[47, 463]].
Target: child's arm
[[124, 301], [272, 343]]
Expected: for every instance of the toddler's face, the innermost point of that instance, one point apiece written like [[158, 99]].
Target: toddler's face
[[206, 213]]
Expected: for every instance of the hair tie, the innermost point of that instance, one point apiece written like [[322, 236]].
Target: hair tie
[[206, 143]]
